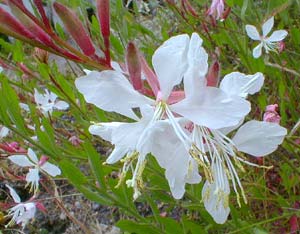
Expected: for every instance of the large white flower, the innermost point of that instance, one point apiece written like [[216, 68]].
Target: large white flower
[[22, 212], [47, 102], [35, 166], [179, 57], [270, 43], [256, 138]]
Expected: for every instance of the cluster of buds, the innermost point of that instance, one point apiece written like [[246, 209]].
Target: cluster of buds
[[18, 21]]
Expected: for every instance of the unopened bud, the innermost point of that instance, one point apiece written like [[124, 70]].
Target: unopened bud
[[134, 66], [41, 55], [213, 74]]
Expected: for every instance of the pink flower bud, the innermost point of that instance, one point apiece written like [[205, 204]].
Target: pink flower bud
[[41, 55], [134, 66], [271, 114], [281, 46], [75, 140], [216, 9], [43, 159], [213, 74]]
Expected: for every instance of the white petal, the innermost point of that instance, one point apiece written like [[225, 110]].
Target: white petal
[[33, 177], [170, 62], [175, 160], [4, 131], [278, 35], [104, 130], [197, 65], [213, 108], [116, 155], [176, 163], [259, 138], [116, 66], [27, 214], [31, 154], [267, 26], [51, 169], [193, 176], [13, 194], [257, 51], [21, 160], [39, 98], [129, 134], [61, 105], [30, 210], [87, 71], [252, 32], [111, 91], [227, 130], [213, 204], [24, 106], [237, 83]]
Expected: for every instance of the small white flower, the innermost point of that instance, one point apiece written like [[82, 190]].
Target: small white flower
[[22, 212], [47, 102], [35, 166], [270, 43]]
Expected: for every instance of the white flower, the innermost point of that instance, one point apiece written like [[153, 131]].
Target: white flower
[[4, 131], [270, 43], [22, 212], [35, 166], [256, 138], [178, 57], [47, 102]]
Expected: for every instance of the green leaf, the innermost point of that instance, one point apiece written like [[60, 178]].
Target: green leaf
[[94, 196], [95, 163], [138, 228], [74, 175]]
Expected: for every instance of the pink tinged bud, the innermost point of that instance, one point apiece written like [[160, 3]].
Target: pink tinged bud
[[22, 14], [39, 6], [271, 114], [104, 18], [41, 55], [75, 140], [134, 66], [75, 28], [213, 75], [294, 226], [272, 107], [272, 117], [43, 159], [216, 9], [10, 26], [281, 46], [226, 13], [25, 69], [150, 76], [189, 8], [41, 207], [171, 2]]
